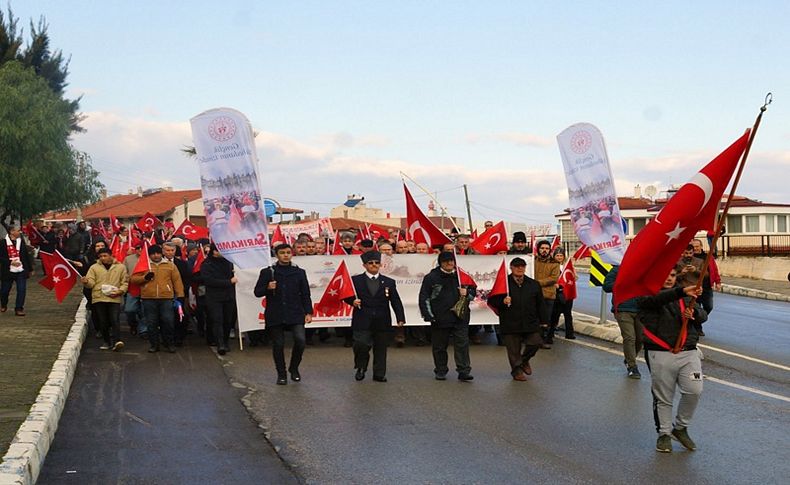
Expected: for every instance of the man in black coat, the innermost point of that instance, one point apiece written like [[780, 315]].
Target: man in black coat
[[288, 307], [440, 292], [371, 320], [15, 267], [216, 274], [521, 317]]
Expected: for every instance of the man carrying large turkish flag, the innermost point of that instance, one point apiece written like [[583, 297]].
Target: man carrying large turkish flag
[[657, 247], [339, 288], [420, 228], [493, 240]]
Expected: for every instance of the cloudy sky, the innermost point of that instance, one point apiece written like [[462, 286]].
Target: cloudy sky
[[346, 95]]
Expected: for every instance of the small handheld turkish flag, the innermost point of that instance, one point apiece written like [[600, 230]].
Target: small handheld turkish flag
[[568, 281], [500, 285], [420, 228], [149, 222], [582, 252], [277, 237], [339, 288], [493, 240], [657, 247], [191, 231], [33, 234], [115, 224], [198, 260], [143, 263]]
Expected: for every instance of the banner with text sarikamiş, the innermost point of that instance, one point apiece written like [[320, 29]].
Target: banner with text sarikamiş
[[232, 200], [595, 213], [407, 270]]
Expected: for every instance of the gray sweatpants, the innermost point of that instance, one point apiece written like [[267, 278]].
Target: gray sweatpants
[[668, 370]]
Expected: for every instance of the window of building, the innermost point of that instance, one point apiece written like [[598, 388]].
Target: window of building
[[752, 223], [638, 224], [734, 224], [781, 225], [769, 222]]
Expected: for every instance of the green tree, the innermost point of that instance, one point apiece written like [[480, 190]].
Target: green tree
[[39, 170]]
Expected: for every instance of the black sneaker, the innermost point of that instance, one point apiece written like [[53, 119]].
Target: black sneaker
[[295, 376], [664, 444], [441, 377], [682, 436], [633, 373], [465, 377], [282, 380]]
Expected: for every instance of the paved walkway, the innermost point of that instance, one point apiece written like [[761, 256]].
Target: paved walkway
[[771, 286], [28, 347]]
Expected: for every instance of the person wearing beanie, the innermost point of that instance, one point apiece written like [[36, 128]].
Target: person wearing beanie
[[440, 292], [519, 245], [371, 320]]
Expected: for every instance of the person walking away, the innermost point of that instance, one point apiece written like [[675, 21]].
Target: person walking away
[[627, 316]]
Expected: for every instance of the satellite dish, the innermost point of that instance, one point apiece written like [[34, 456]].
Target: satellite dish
[[650, 191]]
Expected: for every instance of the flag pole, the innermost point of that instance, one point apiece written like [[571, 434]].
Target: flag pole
[[433, 199], [717, 233]]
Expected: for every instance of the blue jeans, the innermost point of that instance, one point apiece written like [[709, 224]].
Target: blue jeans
[[21, 290], [133, 308], [159, 313]]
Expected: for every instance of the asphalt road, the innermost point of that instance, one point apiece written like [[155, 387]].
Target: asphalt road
[[577, 420]]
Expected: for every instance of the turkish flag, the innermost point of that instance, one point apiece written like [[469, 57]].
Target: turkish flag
[[277, 237], [473, 236], [102, 229], [118, 248], [465, 278], [143, 263], [337, 248], [657, 247], [115, 224], [420, 228], [340, 287], [555, 243], [33, 234], [198, 260], [62, 275], [191, 231], [533, 243], [493, 240], [582, 252], [149, 222], [500, 285], [568, 281], [376, 232]]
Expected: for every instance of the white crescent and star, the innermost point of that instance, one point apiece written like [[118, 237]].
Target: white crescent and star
[[706, 185], [67, 274], [413, 229]]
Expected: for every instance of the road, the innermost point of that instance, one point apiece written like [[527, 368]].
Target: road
[[577, 420]]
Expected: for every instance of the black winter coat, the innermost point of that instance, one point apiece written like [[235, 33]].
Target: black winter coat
[[526, 311], [5, 261], [661, 315], [290, 301], [215, 275], [438, 295], [375, 312]]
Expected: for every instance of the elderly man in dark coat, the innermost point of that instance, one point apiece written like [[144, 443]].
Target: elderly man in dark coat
[[522, 316], [371, 321], [288, 307]]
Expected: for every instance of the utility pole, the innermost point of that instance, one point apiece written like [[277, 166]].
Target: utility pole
[[468, 209], [80, 161]]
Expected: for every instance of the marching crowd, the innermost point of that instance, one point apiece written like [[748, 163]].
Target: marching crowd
[[188, 286]]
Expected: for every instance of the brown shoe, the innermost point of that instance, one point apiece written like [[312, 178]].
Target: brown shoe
[[527, 369], [3, 309], [19, 313], [520, 377]]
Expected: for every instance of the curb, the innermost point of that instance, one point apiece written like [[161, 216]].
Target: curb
[[751, 292], [24, 458], [588, 325]]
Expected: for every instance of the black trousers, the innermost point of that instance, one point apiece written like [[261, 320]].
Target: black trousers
[[520, 348], [440, 339], [565, 308], [277, 334], [378, 340], [222, 315], [105, 317]]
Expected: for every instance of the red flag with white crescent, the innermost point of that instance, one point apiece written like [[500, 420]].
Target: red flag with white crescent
[[582, 252], [568, 281], [500, 285], [198, 260], [493, 240], [149, 222], [337, 248], [420, 228], [61, 274], [339, 288], [115, 224], [277, 237], [555, 243], [657, 247], [191, 231], [33, 234]]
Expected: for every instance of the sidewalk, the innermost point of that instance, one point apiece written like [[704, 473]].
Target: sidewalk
[[29, 346], [766, 289]]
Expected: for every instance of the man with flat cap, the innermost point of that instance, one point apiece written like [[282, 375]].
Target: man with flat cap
[[371, 320], [442, 301], [521, 316]]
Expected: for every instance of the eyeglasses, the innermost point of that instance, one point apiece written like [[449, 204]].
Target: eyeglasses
[[373, 262]]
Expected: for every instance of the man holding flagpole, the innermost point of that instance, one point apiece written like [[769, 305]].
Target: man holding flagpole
[[522, 315]]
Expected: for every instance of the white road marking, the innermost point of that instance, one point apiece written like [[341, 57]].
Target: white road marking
[[745, 357], [707, 377]]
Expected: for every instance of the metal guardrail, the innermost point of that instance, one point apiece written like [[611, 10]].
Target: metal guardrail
[[763, 245]]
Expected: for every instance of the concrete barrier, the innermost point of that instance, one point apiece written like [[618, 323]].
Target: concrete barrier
[[24, 458]]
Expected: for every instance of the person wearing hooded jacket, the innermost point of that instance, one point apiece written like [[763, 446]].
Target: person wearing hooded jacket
[[108, 281], [439, 293], [216, 274]]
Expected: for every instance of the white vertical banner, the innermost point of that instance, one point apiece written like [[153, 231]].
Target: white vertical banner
[[595, 213], [232, 200]]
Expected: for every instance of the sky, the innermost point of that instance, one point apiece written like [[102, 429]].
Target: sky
[[346, 95]]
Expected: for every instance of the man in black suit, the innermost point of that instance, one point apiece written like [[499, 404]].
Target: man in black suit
[[371, 321]]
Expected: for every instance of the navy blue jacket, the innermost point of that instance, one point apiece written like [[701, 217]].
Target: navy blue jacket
[[375, 312], [290, 301], [215, 274]]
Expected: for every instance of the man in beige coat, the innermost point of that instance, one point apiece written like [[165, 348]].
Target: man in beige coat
[[109, 281], [547, 272]]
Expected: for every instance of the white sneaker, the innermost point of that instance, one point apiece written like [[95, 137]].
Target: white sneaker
[[105, 347], [118, 346]]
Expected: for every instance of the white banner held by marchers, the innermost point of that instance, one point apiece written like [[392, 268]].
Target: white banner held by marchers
[[595, 213], [232, 201], [407, 270]]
